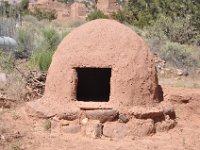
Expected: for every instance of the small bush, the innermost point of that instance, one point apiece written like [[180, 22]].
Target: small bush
[[120, 16], [51, 39], [45, 60], [41, 58], [44, 14], [24, 4], [178, 30], [144, 19], [96, 14], [6, 60], [25, 39], [179, 56]]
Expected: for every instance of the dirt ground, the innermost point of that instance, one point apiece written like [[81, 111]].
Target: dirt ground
[[21, 132]]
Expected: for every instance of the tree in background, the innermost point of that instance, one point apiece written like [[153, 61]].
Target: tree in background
[[96, 14], [178, 20], [144, 12]]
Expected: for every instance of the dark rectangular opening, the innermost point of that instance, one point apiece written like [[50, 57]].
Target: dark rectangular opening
[[93, 84]]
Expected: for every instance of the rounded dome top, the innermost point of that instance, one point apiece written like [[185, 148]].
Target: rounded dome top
[[101, 35]]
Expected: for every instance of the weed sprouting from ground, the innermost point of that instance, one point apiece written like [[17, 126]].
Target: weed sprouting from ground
[[16, 146], [47, 125]]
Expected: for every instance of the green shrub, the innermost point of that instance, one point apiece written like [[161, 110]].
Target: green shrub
[[182, 31], [45, 60], [179, 31], [44, 14], [51, 39], [25, 39], [41, 58], [177, 20], [144, 12], [65, 1], [120, 16], [140, 13], [96, 14], [179, 56], [24, 4]]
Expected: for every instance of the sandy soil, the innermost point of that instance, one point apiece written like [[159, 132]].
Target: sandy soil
[[18, 131]]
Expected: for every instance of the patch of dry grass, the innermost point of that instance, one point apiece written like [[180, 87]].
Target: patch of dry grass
[[188, 82], [14, 87]]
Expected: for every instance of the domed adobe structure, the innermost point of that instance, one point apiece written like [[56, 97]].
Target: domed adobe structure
[[103, 81], [102, 61]]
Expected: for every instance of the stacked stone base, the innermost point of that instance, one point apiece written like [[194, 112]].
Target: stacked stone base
[[111, 123]]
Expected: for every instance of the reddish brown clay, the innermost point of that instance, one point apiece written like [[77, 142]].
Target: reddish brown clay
[[103, 43]]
